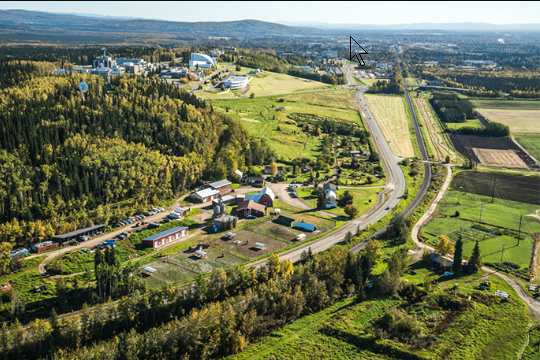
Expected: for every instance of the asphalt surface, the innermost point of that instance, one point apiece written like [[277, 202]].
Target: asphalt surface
[[423, 151]]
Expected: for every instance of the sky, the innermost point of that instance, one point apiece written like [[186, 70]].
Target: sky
[[329, 12]]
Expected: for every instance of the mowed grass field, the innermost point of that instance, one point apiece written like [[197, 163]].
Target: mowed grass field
[[266, 117], [266, 84], [344, 330], [389, 111], [531, 142]]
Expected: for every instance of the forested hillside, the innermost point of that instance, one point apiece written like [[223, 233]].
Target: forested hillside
[[74, 160]]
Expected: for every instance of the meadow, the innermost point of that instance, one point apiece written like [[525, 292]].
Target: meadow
[[494, 224], [267, 117], [389, 111]]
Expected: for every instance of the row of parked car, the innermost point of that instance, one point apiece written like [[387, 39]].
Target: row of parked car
[[139, 217]]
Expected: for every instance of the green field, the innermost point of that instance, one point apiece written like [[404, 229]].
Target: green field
[[509, 186], [266, 117], [485, 330], [264, 84], [494, 224], [363, 199], [474, 123], [531, 143]]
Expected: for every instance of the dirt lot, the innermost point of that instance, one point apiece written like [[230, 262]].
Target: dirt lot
[[466, 143], [184, 266], [501, 158], [244, 242]]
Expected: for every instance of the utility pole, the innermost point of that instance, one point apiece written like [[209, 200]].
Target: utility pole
[[481, 210], [493, 182]]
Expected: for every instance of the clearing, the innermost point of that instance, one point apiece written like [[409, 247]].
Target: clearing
[[389, 111]]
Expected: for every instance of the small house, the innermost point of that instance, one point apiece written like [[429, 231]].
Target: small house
[[250, 208], [205, 195], [165, 237], [223, 186]]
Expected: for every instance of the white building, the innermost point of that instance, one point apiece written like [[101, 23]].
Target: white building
[[201, 61], [235, 82]]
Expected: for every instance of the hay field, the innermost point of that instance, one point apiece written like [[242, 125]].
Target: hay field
[[442, 146], [519, 121], [389, 111], [497, 157]]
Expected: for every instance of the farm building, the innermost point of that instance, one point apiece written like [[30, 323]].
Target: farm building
[[304, 226], [330, 196], [223, 222], [265, 197], [165, 237], [440, 261], [223, 186], [78, 234], [205, 195], [44, 246], [250, 208]]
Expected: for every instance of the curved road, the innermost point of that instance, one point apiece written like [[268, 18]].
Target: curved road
[[388, 199]]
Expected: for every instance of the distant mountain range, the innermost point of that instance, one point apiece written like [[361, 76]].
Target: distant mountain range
[[35, 26], [17, 25]]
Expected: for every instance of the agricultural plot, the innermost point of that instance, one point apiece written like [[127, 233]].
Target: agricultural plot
[[496, 157], [522, 117], [184, 266], [519, 121], [521, 188], [442, 147], [495, 224], [470, 123], [389, 111], [466, 144]]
